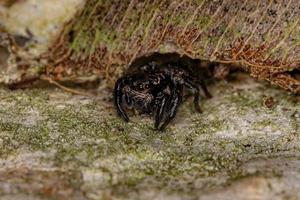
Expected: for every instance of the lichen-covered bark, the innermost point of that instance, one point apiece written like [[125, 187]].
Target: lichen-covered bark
[[55, 145], [244, 145]]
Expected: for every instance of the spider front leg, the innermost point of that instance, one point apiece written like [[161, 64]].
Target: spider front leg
[[206, 92], [175, 100], [118, 98], [196, 93], [160, 110]]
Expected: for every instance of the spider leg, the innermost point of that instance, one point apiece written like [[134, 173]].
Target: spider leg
[[160, 111], [204, 88], [196, 92], [128, 100], [175, 100], [118, 98], [197, 101]]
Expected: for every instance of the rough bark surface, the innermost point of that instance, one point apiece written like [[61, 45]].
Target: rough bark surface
[[245, 145]]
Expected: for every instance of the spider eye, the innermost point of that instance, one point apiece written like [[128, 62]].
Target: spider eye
[[156, 81]]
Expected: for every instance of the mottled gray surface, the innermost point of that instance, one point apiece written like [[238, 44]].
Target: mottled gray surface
[[61, 146], [38, 21], [34, 26]]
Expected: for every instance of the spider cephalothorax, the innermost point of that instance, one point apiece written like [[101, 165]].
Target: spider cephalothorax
[[157, 89]]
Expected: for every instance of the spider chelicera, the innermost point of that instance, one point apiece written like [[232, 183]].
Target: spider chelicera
[[157, 89]]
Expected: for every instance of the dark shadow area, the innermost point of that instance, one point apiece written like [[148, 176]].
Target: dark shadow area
[[200, 68]]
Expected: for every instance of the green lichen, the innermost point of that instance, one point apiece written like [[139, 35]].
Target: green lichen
[[77, 133]]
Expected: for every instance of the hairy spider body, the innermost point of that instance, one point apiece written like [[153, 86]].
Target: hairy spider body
[[158, 90]]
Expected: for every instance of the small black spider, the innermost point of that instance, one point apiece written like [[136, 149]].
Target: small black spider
[[158, 89]]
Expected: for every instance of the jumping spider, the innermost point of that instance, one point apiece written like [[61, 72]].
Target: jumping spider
[[157, 89]]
